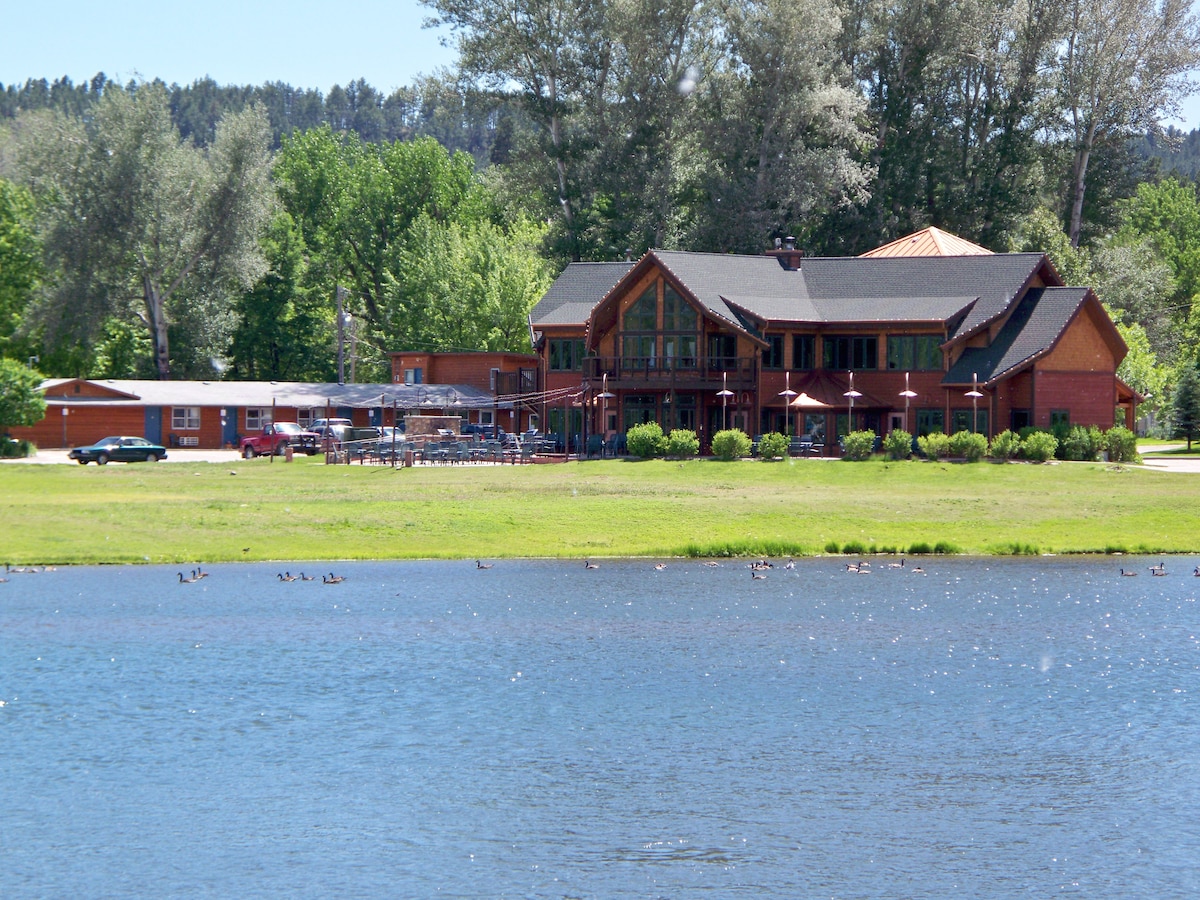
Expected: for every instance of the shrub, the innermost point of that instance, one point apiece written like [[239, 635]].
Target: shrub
[[731, 444], [968, 445], [898, 444], [646, 440], [14, 449], [1121, 444], [1080, 443], [773, 446], [858, 445], [1039, 446], [682, 443], [1005, 445], [934, 445]]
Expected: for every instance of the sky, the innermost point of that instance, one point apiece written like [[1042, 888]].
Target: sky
[[304, 43]]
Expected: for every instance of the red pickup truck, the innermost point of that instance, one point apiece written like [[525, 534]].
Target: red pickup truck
[[277, 437]]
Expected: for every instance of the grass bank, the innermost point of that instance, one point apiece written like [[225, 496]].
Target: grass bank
[[254, 510]]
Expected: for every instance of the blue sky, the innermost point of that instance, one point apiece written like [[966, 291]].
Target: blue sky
[[305, 43]]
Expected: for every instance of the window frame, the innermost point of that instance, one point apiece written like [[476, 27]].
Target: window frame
[[185, 418]]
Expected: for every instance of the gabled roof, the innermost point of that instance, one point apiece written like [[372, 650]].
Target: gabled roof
[[929, 241], [966, 292], [575, 292], [1029, 333]]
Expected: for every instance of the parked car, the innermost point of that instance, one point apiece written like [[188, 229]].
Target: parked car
[[321, 423], [277, 437], [335, 431], [118, 449]]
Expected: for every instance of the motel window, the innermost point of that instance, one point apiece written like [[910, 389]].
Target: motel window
[[185, 418], [851, 352], [257, 417], [722, 351], [414, 376], [773, 354], [304, 416], [909, 352], [929, 421], [1060, 419], [566, 354], [804, 351]]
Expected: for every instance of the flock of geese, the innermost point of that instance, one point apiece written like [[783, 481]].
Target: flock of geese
[[198, 574], [1158, 570]]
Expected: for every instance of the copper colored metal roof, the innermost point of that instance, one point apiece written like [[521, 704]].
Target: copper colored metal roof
[[929, 242]]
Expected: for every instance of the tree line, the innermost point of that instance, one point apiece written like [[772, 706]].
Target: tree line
[[589, 131]]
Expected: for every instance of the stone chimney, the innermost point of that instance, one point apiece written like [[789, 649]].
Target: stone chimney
[[785, 251]]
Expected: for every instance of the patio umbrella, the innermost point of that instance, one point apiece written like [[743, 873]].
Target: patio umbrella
[[803, 402]]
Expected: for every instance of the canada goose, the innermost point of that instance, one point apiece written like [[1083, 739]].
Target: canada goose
[[304, 577], [716, 565], [917, 570], [1160, 569], [660, 567], [333, 579], [591, 565], [480, 565], [183, 580], [899, 565], [1128, 573], [1197, 572], [790, 564], [758, 576], [199, 573], [286, 577]]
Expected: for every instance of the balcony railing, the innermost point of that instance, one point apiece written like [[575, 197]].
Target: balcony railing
[[626, 371]]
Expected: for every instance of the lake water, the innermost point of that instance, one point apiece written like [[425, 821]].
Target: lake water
[[992, 728]]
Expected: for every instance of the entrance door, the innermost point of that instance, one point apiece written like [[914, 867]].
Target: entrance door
[[896, 421], [153, 424]]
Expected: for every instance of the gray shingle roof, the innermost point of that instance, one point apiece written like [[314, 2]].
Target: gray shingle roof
[[824, 289], [1031, 330], [575, 292]]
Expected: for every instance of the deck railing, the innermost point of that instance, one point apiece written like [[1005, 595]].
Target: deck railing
[[736, 371]]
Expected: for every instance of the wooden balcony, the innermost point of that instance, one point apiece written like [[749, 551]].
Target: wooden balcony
[[660, 373]]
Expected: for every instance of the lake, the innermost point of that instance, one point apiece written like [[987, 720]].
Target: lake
[[990, 728]]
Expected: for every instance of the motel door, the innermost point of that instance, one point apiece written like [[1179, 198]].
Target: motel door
[[153, 424], [896, 421]]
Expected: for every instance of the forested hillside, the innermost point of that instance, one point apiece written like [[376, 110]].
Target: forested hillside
[[588, 132]]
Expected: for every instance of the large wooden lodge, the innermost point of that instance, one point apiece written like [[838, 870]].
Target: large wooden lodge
[[928, 333]]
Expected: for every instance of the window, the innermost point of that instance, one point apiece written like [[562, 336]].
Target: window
[[637, 351], [1060, 418], [960, 420], [678, 314], [682, 414], [304, 416], [639, 409], [804, 351], [773, 354], [185, 418], [908, 352], [851, 352], [566, 354], [257, 417], [722, 351], [528, 380], [414, 376], [1020, 419], [930, 420], [679, 350], [642, 315]]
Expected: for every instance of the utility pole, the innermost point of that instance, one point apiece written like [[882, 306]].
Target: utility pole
[[341, 336]]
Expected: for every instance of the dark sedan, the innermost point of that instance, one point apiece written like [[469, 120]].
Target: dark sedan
[[118, 449]]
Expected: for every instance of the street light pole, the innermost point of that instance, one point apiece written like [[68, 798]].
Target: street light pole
[[340, 292], [974, 393], [725, 393]]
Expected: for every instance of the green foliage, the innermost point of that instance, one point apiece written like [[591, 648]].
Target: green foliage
[[898, 444], [858, 445], [1038, 446], [968, 445], [20, 260], [11, 449], [682, 443], [1185, 404], [1081, 444], [1005, 445], [646, 440], [1121, 444], [21, 403], [730, 444], [934, 445], [773, 446]]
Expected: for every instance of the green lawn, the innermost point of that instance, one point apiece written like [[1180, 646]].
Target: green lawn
[[305, 510]]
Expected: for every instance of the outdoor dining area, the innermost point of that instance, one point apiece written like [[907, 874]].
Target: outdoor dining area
[[445, 448]]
